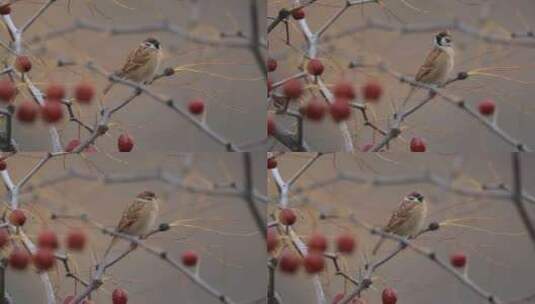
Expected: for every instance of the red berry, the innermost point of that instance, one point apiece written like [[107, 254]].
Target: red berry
[[76, 240], [315, 109], [119, 296], [487, 107], [372, 91], [84, 92], [298, 14], [271, 64], [7, 91], [458, 260], [340, 110], [314, 262], [47, 239], [417, 144], [52, 111], [5, 9], [289, 262], [271, 128], [17, 217], [345, 243], [317, 242], [293, 88], [55, 92], [337, 298], [125, 143], [366, 147], [389, 296], [271, 163], [73, 143], [27, 111], [196, 106], [315, 67], [23, 64], [3, 165], [344, 90], [19, 258], [189, 258], [272, 240], [4, 237], [287, 217], [44, 259]]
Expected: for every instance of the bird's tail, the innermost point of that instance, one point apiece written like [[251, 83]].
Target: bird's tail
[[408, 97], [378, 245]]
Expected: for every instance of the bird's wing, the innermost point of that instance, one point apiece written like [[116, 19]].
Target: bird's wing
[[429, 64], [136, 59], [130, 216], [400, 215]]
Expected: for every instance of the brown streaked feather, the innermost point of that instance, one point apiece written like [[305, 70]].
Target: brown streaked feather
[[130, 216], [401, 214], [429, 64], [136, 59]]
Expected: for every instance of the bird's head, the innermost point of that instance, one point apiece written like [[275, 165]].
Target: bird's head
[[443, 39], [415, 197], [147, 195], [152, 43]]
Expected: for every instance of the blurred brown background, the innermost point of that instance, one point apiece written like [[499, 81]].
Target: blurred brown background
[[228, 79], [444, 127], [500, 254], [219, 228]]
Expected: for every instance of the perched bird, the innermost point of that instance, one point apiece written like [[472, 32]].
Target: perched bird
[[138, 218], [408, 219], [438, 63], [141, 64]]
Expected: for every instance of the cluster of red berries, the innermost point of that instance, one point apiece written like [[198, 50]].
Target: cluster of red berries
[[47, 242]]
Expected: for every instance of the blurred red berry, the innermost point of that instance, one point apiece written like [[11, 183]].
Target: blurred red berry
[[314, 262], [84, 92], [315, 109], [287, 217], [344, 90], [487, 107], [293, 88], [17, 217], [47, 239], [19, 258], [366, 147], [372, 91], [23, 64], [119, 296], [271, 163], [52, 111], [5, 9], [345, 243], [340, 110], [55, 92], [272, 240], [125, 143], [315, 67], [44, 259], [389, 296], [417, 144], [458, 260], [189, 258], [3, 165], [27, 111], [196, 106], [271, 128], [76, 240], [271, 64], [4, 237], [7, 91], [289, 262], [72, 144], [317, 242], [269, 86], [298, 14]]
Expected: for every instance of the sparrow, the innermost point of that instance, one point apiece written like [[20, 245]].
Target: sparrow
[[141, 64], [138, 218], [408, 219], [438, 63]]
